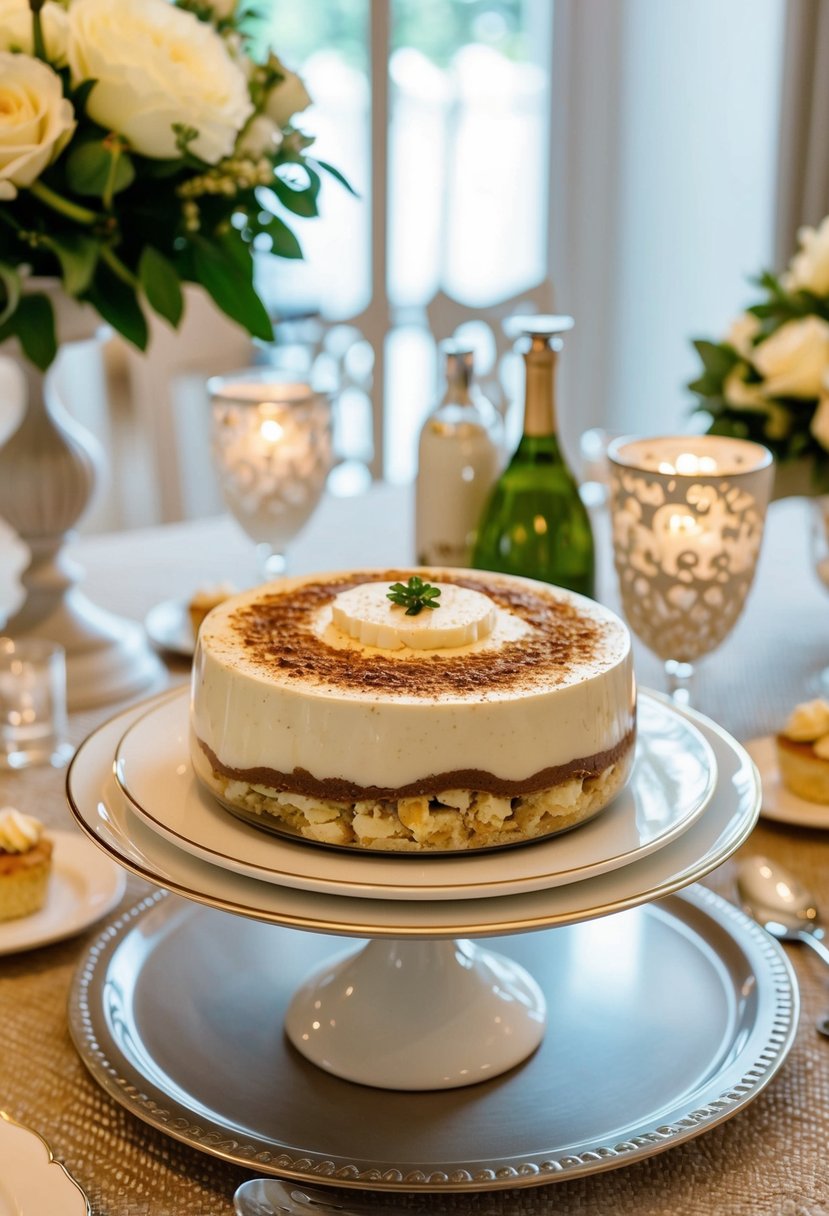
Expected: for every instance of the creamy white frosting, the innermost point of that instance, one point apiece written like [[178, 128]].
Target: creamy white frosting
[[251, 716], [460, 616], [18, 832]]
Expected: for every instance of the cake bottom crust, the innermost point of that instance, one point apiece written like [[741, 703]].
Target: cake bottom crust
[[451, 820], [24, 880]]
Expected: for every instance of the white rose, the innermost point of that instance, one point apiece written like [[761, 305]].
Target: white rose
[[155, 66], [741, 333], [809, 267], [287, 98], [739, 393], [794, 360], [261, 137], [819, 426], [17, 29], [36, 120]]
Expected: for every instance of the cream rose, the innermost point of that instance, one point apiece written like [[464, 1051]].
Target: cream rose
[[157, 66], [287, 98], [261, 137], [795, 359], [742, 332], [17, 30], [809, 268], [740, 393], [36, 121]]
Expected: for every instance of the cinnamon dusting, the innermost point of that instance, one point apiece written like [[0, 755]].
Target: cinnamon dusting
[[277, 632]]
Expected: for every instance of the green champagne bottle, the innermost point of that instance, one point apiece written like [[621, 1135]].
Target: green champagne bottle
[[535, 523]]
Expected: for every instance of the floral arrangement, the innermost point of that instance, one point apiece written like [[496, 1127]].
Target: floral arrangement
[[142, 145], [768, 378]]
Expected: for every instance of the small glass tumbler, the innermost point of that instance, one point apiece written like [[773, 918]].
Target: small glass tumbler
[[32, 704]]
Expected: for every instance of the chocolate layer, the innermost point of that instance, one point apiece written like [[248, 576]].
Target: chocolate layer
[[335, 789]]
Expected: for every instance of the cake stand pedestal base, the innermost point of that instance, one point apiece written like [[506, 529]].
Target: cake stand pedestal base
[[418, 1015]]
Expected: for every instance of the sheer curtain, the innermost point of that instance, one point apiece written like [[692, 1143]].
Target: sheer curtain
[[665, 192], [803, 196]]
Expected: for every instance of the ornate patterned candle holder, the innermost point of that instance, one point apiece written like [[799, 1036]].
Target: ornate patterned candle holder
[[271, 439], [688, 515]]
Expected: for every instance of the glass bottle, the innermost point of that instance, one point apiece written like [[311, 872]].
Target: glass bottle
[[535, 523], [459, 458]]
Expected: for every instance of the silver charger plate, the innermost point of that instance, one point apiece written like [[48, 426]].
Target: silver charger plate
[[665, 1021]]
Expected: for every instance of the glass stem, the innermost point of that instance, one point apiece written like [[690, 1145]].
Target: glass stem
[[679, 677], [271, 563]]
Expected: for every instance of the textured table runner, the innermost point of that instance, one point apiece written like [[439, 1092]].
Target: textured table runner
[[771, 1159]]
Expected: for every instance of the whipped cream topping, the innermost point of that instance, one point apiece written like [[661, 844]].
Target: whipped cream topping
[[18, 832], [366, 614]]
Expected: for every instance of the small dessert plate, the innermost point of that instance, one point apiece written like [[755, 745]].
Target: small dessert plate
[[83, 887], [778, 802], [168, 627], [30, 1178]]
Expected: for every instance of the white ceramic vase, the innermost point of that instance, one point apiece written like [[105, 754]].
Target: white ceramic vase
[[48, 470]]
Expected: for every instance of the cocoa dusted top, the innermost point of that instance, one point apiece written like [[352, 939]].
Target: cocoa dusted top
[[276, 632]]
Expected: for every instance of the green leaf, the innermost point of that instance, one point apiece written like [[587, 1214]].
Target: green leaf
[[336, 174], [284, 243], [117, 303], [78, 257], [80, 95], [301, 201], [234, 246], [414, 596], [219, 274], [11, 289], [717, 358], [706, 385], [92, 168], [34, 324], [161, 285]]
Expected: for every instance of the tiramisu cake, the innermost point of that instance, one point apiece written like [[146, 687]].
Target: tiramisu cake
[[423, 710]]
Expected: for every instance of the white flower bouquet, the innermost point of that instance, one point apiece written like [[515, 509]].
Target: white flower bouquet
[[143, 144], [768, 378]]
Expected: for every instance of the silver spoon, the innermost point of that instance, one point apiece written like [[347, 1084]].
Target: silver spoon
[[272, 1197], [783, 906]]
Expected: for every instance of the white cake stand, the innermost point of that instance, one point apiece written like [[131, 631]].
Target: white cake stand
[[410, 1010]]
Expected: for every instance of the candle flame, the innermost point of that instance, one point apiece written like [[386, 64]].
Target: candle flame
[[687, 464], [271, 430]]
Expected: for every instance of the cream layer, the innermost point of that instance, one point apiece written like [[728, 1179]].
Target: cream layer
[[276, 686]]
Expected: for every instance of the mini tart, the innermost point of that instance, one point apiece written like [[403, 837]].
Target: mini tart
[[801, 771], [203, 601], [24, 880]]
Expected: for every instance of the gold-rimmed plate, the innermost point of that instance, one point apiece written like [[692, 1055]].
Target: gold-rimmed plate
[[31, 1180], [673, 778], [102, 811]]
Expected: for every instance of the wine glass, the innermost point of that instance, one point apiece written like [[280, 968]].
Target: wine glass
[[271, 445], [687, 514]]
